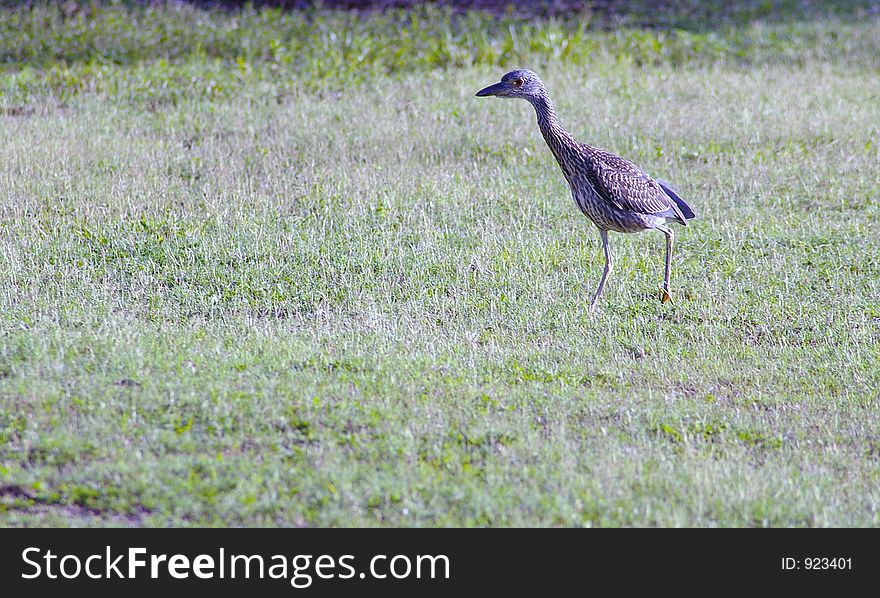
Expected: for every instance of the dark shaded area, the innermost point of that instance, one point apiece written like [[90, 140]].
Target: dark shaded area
[[526, 8], [694, 15], [93, 33]]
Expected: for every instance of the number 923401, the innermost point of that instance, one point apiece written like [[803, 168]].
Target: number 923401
[[823, 563]]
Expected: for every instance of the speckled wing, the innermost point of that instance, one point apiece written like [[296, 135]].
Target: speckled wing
[[622, 184]]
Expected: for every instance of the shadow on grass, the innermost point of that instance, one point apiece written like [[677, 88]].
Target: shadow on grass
[[691, 15], [163, 51]]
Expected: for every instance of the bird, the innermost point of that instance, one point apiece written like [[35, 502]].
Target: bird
[[612, 192]]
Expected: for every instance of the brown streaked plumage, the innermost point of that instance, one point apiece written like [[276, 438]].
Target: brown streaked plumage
[[612, 192]]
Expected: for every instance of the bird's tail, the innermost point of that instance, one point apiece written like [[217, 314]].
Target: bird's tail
[[686, 210]]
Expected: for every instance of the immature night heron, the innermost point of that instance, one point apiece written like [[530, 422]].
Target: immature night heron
[[611, 191]]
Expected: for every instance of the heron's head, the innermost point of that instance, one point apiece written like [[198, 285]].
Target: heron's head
[[521, 83]]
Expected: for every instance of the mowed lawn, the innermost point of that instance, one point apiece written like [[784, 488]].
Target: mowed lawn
[[366, 303]]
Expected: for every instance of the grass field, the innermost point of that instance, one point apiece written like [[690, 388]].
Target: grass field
[[248, 280]]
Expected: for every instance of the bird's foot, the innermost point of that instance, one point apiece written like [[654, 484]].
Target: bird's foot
[[664, 295]]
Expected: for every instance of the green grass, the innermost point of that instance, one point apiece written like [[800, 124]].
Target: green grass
[[170, 54], [292, 299]]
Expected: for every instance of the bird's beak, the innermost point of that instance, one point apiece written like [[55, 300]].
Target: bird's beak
[[494, 90]]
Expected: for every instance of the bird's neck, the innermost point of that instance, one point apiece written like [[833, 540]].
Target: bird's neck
[[560, 141]]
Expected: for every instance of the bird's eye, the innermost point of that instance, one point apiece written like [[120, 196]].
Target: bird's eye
[[517, 82]]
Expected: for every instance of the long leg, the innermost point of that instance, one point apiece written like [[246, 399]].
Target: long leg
[[664, 291], [606, 271]]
